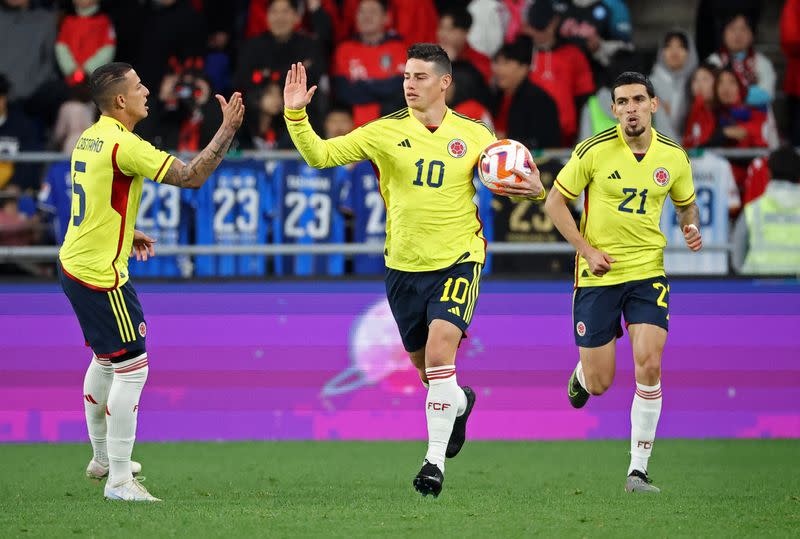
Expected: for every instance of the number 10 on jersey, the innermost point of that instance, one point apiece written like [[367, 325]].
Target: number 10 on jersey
[[435, 174]]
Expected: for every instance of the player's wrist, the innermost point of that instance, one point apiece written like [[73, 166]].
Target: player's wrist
[[295, 114]]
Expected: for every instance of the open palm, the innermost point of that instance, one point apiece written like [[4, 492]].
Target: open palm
[[295, 94]]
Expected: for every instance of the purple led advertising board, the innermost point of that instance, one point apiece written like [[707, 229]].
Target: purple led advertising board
[[323, 360]]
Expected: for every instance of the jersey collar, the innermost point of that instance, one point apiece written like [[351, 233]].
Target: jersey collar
[[108, 120], [630, 151], [447, 114]]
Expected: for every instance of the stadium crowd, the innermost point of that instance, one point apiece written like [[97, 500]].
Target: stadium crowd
[[537, 71]]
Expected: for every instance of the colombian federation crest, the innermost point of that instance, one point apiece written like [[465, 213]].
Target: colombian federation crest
[[142, 329], [580, 329], [661, 176], [457, 148]]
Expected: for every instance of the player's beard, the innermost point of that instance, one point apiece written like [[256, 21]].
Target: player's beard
[[634, 131]]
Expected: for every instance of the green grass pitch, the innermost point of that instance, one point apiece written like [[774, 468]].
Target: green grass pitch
[[731, 488]]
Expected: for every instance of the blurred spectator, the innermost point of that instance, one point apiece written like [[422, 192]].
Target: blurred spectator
[[790, 43], [739, 124], [86, 40], [368, 70], [701, 123], [461, 95], [128, 19], [754, 70], [452, 33], [596, 114], [524, 112], [74, 116], [221, 25], [766, 238], [559, 68], [415, 21], [276, 50], [493, 20], [676, 62], [338, 121], [16, 135], [172, 29], [517, 11], [180, 119], [780, 164], [711, 17], [318, 18], [16, 228], [600, 27], [265, 128], [27, 39]]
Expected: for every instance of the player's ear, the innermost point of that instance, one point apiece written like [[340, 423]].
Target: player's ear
[[119, 101], [446, 81], [654, 104]]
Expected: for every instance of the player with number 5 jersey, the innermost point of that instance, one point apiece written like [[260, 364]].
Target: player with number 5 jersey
[[625, 173], [425, 157], [109, 164]]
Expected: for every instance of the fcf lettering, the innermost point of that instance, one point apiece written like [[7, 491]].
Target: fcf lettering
[[438, 406], [643, 444]]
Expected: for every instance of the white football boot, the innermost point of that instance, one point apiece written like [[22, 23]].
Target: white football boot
[[130, 491], [95, 470]]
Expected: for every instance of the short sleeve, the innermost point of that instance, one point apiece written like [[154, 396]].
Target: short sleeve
[[137, 157], [682, 190], [574, 177]]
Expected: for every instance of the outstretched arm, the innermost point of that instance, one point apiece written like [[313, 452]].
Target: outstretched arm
[[195, 174], [317, 152], [689, 219]]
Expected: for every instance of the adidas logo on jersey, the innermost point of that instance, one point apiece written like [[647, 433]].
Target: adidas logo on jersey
[[615, 176], [455, 310], [405, 143]]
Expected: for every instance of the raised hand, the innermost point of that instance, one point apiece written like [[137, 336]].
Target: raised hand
[[232, 111], [295, 94], [142, 246]]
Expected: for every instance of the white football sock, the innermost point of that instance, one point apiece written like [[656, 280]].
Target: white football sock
[[441, 408], [645, 411], [123, 407], [96, 385], [579, 375]]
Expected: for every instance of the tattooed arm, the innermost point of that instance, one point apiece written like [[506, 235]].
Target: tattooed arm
[[689, 219], [195, 174]]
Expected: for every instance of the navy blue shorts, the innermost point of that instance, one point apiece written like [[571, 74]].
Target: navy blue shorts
[[596, 310], [417, 298], [112, 322]]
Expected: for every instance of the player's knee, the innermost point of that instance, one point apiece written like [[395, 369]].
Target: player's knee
[[438, 353], [649, 371], [598, 383]]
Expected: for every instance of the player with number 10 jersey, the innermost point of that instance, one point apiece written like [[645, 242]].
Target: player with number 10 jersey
[[425, 157]]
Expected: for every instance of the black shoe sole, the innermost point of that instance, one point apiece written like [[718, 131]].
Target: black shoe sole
[[581, 395], [459, 434], [427, 485]]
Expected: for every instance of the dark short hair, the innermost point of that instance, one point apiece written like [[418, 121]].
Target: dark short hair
[[520, 51], [344, 108], [431, 52], [461, 17], [104, 82], [632, 77], [676, 34]]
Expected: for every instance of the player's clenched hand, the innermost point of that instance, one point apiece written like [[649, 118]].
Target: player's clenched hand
[[295, 94], [693, 238], [530, 186], [142, 246], [232, 111], [599, 262]]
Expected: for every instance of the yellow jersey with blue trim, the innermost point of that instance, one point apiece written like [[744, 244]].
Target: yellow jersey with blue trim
[[108, 166], [623, 200], [425, 177]]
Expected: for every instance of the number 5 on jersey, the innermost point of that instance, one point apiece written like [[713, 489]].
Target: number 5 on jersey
[[77, 191]]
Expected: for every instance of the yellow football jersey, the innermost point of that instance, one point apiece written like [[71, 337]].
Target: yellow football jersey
[[425, 179], [109, 164], [623, 201]]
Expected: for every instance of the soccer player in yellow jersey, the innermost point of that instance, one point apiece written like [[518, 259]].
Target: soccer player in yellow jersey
[[625, 173], [109, 164], [424, 156]]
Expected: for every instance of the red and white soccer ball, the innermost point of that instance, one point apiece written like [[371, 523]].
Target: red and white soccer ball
[[498, 161]]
